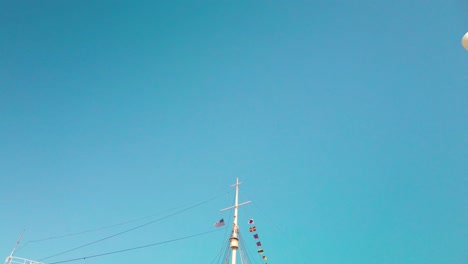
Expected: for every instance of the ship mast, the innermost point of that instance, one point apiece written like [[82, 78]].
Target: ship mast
[[234, 239]]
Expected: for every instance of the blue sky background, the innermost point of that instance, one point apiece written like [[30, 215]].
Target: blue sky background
[[346, 121]]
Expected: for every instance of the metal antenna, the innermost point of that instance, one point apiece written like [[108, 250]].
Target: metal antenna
[[234, 240], [16, 260], [8, 260]]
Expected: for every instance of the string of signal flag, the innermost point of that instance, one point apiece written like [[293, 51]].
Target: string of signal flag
[[253, 229]]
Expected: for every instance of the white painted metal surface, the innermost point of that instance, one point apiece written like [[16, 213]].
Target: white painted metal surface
[[18, 260]]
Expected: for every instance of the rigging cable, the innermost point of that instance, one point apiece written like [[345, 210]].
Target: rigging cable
[[227, 256], [95, 229], [135, 248], [103, 227], [246, 249], [225, 244], [99, 228], [134, 228]]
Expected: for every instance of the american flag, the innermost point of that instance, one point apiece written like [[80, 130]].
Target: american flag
[[219, 223]]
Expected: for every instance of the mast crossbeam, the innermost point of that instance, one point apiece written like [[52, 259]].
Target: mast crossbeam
[[235, 206]]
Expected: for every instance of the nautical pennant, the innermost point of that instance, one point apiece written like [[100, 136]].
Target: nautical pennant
[[259, 244]]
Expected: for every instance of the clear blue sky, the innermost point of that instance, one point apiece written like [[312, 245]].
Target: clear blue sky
[[346, 121]]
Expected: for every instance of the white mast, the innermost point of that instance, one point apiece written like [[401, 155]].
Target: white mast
[[234, 240]]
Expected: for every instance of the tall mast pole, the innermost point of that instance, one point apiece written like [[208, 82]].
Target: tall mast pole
[[234, 239], [235, 230]]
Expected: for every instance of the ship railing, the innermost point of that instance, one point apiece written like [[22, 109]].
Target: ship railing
[[18, 260]]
